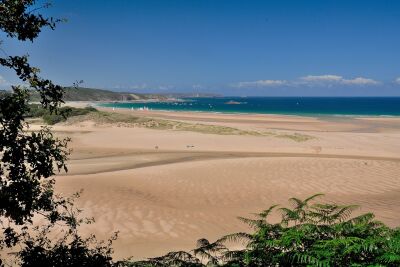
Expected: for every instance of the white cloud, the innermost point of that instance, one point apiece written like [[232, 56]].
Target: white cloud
[[360, 81], [322, 78], [4, 82], [329, 80], [397, 80], [262, 83], [131, 86], [144, 86], [138, 86], [165, 87], [197, 86]]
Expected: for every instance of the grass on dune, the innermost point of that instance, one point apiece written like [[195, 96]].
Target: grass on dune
[[127, 120], [296, 137]]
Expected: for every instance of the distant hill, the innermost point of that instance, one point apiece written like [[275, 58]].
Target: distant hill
[[190, 95], [91, 94], [3, 93]]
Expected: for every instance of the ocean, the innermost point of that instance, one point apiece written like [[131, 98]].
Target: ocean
[[304, 106]]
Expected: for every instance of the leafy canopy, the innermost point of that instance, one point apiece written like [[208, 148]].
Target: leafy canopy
[[30, 159]]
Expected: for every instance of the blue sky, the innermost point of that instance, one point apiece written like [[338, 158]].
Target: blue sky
[[338, 48]]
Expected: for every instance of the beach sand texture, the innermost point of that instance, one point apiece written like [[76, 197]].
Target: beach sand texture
[[164, 189]]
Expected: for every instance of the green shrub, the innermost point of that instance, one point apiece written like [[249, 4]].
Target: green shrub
[[52, 119], [35, 111], [63, 113]]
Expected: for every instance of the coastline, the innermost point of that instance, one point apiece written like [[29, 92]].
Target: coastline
[[273, 121], [286, 106], [98, 104]]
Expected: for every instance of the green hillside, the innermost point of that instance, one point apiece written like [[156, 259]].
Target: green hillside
[[91, 94]]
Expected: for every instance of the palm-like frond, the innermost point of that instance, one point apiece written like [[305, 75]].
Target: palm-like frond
[[209, 251], [202, 242], [330, 213], [300, 204], [296, 203], [313, 197], [364, 218], [241, 237], [253, 223], [309, 260], [232, 255], [175, 258], [265, 213], [289, 215]]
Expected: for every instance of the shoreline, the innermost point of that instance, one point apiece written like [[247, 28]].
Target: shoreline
[[257, 121], [98, 104], [310, 115]]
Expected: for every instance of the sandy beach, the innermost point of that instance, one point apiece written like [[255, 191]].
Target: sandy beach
[[164, 189]]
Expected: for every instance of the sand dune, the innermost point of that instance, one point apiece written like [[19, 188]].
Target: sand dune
[[178, 203], [194, 185]]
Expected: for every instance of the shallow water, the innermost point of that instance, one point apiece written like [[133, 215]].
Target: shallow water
[[306, 106]]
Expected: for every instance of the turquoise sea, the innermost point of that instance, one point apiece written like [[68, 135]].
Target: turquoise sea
[[305, 106]]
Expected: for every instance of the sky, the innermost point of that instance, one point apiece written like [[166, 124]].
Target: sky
[[229, 47]]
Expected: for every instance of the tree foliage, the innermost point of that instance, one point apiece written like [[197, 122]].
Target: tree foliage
[[26, 157], [19, 20], [30, 159], [69, 248]]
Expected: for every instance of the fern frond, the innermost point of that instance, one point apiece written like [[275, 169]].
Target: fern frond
[[265, 213], [203, 242], [255, 224], [313, 197], [175, 258], [296, 203], [310, 260], [232, 255], [242, 237], [289, 215], [364, 218]]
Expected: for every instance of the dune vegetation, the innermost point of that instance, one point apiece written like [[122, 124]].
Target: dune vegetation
[[53, 117], [76, 115], [73, 115]]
